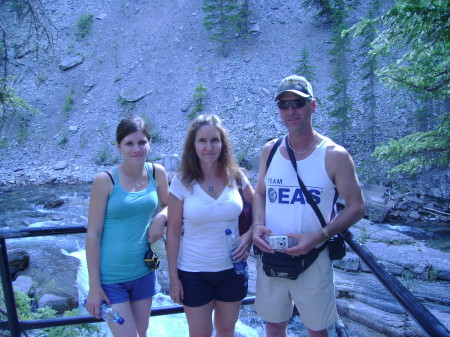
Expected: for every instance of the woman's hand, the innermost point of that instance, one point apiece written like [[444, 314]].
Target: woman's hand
[[176, 291], [94, 300], [156, 228], [242, 252]]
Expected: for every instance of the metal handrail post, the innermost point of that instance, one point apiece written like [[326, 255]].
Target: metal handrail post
[[423, 317], [8, 291]]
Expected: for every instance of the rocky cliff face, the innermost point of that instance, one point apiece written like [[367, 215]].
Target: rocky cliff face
[[148, 58]]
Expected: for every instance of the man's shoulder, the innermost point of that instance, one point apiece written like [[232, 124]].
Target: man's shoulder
[[269, 145], [333, 147]]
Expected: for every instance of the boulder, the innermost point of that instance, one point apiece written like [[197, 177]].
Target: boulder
[[54, 273], [71, 62], [57, 303], [18, 260], [60, 165], [53, 202], [23, 284]]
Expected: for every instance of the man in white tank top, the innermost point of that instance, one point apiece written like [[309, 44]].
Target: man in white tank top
[[280, 208]]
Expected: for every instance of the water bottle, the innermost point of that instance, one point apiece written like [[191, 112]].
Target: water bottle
[[109, 314], [240, 267]]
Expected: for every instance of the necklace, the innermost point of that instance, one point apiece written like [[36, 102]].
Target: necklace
[[210, 188], [307, 149]]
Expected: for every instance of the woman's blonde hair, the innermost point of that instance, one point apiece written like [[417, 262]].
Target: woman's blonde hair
[[190, 170]]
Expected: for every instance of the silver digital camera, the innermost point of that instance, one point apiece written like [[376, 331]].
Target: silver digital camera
[[278, 242]]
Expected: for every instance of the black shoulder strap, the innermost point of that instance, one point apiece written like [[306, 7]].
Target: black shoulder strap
[[272, 152], [153, 171], [306, 192], [110, 176], [303, 187]]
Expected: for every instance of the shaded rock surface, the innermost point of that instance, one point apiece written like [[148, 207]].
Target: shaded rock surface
[[52, 271]]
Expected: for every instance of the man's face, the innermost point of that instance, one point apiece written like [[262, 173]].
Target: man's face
[[295, 111]]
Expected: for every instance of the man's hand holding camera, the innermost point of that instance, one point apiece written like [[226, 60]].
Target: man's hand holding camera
[[259, 238], [292, 243], [304, 242]]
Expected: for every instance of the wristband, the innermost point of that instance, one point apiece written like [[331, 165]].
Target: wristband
[[325, 232]]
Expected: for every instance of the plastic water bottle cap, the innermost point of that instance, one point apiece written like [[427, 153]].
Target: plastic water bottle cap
[[120, 320], [228, 231]]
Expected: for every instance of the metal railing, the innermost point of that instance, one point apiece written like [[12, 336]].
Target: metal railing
[[426, 321]]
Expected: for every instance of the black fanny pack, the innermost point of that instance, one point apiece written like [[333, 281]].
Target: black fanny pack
[[287, 266]]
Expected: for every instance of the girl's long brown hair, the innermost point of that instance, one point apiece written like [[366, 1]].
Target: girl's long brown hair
[[190, 170]]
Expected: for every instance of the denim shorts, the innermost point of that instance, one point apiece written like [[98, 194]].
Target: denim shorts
[[135, 290], [201, 288]]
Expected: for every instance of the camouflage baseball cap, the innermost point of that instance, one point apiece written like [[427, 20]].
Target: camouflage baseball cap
[[296, 84]]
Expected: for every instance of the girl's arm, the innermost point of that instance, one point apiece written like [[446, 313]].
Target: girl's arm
[[101, 189], [174, 227], [156, 228]]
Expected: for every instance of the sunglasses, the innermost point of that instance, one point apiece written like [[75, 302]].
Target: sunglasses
[[296, 104]]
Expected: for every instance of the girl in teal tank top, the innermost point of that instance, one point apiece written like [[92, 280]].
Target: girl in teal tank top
[[121, 223]]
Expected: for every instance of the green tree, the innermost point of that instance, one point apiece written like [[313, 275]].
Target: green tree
[[419, 151], [84, 25], [324, 5], [225, 19], [419, 31], [304, 67], [199, 99], [15, 45], [416, 34], [339, 96], [369, 77]]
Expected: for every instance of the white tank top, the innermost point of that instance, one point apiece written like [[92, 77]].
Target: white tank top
[[287, 210]]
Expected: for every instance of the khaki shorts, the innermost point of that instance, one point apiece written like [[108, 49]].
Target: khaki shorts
[[312, 292]]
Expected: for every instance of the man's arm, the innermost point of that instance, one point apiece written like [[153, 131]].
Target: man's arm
[[341, 170], [340, 165]]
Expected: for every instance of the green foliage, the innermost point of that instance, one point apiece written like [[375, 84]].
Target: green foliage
[[199, 97], [339, 96], [68, 102], [84, 24], [3, 143], [325, 8], [63, 141], [418, 152], [415, 33], [17, 6], [225, 20], [24, 311], [432, 274], [13, 108], [304, 68], [78, 330], [156, 136], [102, 156], [418, 31], [369, 67]]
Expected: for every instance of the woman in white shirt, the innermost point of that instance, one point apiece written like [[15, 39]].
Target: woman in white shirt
[[204, 201]]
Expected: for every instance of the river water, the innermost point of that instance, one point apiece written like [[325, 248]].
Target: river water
[[24, 207]]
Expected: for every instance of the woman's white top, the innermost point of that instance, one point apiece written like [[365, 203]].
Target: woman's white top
[[205, 219]]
